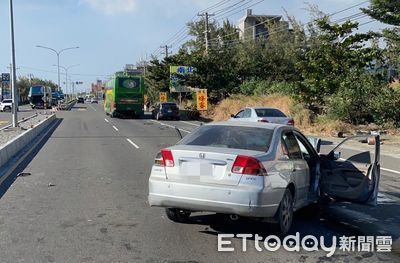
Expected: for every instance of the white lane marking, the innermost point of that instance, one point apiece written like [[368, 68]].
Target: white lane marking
[[106, 120], [194, 124], [390, 171], [92, 107], [115, 128], [164, 124], [134, 144]]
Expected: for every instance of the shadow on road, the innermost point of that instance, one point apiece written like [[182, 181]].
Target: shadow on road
[[20, 168], [334, 220]]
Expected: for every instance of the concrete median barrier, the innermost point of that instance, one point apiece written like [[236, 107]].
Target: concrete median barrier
[[11, 150], [67, 106]]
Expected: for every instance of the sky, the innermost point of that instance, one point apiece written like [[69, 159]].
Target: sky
[[113, 33]]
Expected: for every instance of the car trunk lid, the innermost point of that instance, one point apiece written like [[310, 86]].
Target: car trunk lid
[[204, 165]]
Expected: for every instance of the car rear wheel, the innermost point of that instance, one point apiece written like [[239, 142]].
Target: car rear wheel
[[177, 215], [285, 213]]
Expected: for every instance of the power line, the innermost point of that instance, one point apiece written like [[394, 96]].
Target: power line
[[348, 8], [240, 10], [277, 30], [55, 72], [182, 34], [231, 6], [219, 15], [181, 31], [215, 6], [268, 20]]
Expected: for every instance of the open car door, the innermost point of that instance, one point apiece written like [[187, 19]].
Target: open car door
[[350, 175]]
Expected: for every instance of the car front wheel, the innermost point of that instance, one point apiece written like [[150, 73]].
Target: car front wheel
[[285, 213], [177, 215]]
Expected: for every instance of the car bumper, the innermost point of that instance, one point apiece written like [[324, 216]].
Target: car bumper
[[169, 115], [242, 201]]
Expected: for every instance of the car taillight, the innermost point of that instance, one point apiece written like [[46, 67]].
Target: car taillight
[[290, 122], [262, 120], [248, 165], [164, 158]]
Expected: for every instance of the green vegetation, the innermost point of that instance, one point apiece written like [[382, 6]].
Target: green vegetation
[[329, 68]]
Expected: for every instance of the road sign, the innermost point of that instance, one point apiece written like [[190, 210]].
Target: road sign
[[5, 77], [201, 99], [176, 74], [163, 97]]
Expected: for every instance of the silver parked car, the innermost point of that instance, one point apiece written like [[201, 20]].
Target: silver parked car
[[262, 114], [260, 170]]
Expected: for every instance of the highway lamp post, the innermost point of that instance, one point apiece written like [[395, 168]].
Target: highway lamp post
[[13, 71], [66, 75], [58, 60]]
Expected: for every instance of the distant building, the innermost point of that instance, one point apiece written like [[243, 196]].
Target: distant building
[[98, 89], [256, 26]]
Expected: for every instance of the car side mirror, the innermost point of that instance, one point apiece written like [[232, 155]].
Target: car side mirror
[[336, 155]]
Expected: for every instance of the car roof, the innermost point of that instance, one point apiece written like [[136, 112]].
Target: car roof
[[269, 126], [263, 108]]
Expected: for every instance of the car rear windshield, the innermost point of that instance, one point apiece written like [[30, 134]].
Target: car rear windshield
[[129, 83], [269, 113], [169, 106], [224, 136]]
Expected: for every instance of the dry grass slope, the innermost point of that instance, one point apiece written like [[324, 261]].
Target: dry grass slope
[[304, 119]]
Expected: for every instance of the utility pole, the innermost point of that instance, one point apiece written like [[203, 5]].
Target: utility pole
[[166, 47], [207, 28], [13, 71]]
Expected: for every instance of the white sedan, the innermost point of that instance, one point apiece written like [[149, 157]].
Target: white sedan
[[262, 114], [259, 170]]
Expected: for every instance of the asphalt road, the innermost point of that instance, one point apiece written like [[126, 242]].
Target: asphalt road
[[85, 200]]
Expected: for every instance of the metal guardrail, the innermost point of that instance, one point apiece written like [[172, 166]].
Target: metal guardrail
[[20, 121]]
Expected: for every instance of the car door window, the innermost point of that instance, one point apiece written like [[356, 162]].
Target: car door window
[[304, 148], [292, 147], [247, 113], [240, 114]]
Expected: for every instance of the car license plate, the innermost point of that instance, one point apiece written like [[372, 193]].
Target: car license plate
[[206, 170], [190, 169], [169, 111]]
